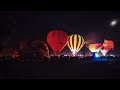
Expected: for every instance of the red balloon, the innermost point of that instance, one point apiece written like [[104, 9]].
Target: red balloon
[[57, 40]]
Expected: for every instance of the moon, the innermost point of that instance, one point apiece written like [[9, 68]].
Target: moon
[[114, 22]]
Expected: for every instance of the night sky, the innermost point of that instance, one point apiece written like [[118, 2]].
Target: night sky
[[37, 24]]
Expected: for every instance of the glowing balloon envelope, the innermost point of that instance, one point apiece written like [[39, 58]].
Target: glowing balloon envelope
[[57, 40], [41, 46], [95, 47], [75, 43], [107, 46]]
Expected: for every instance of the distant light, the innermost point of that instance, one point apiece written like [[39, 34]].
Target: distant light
[[51, 55], [97, 55], [112, 55], [80, 55], [113, 23]]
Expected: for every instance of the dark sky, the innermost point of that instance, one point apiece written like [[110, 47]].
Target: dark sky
[[78, 21], [81, 22], [39, 23]]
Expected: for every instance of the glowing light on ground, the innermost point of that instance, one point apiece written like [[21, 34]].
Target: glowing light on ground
[[97, 55]]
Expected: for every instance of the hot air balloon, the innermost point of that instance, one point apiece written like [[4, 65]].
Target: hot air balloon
[[75, 43], [57, 39], [37, 43], [107, 46], [95, 47], [94, 41], [41, 47]]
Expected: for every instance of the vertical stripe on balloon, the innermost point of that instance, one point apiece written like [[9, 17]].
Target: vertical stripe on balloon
[[75, 41]]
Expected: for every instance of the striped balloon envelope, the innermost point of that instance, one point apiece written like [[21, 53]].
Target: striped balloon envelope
[[75, 43]]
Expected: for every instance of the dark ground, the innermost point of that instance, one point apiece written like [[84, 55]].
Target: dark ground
[[81, 70]]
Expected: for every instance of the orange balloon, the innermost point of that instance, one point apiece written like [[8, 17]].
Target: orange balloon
[[95, 47]]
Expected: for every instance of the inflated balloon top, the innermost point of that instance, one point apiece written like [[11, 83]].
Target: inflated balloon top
[[75, 43], [57, 39], [41, 46], [38, 44]]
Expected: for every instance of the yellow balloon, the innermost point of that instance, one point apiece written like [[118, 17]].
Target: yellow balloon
[[75, 43]]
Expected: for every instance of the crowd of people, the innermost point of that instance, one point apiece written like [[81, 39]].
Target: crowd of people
[[55, 59]]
